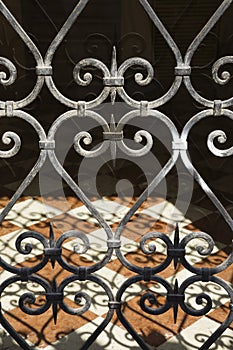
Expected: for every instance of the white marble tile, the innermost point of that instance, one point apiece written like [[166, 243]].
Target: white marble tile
[[30, 212], [112, 338], [110, 206], [166, 212], [111, 211], [193, 337], [155, 210], [8, 249], [115, 280]]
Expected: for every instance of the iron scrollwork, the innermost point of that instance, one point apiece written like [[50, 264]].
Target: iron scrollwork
[[175, 295], [113, 137]]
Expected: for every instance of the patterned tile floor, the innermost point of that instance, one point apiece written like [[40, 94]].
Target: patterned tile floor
[[70, 332]]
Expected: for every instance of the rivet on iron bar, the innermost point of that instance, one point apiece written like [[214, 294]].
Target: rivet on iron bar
[[114, 305], [182, 71], [147, 273], [113, 81], [112, 243], [175, 299], [217, 108], [47, 144], [82, 273], [52, 252], [113, 136], [180, 145], [205, 274], [54, 297], [144, 108], [44, 71], [81, 108], [9, 108], [24, 274], [176, 252]]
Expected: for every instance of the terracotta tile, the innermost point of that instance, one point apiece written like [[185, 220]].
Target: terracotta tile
[[110, 211], [62, 203], [197, 334], [7, 227], [138, 258], [5, 199], [65, 222], [29, 212], [215, 260], [129, 201], [220, 314], [154, 329], [62, 223], [150, 201], [140, 224], [163, 227], [191, 227], [41, 330]]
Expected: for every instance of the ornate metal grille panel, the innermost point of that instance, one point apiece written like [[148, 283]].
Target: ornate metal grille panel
[[113, 139]]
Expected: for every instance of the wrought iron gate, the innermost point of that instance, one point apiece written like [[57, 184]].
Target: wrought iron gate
[[113, 139]]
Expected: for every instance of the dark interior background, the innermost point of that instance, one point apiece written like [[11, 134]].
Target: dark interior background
[[124, 24]]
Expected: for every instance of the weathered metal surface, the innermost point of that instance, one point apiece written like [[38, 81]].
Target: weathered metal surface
[[113, 137]]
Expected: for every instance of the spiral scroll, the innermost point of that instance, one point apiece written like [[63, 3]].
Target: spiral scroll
[[202, 299], [29, 298], [137, 61], [78, 298], [12, 72], [225, 75], [87, 77], [222, 138], [87, 140], [7, 138], [138, 138]]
